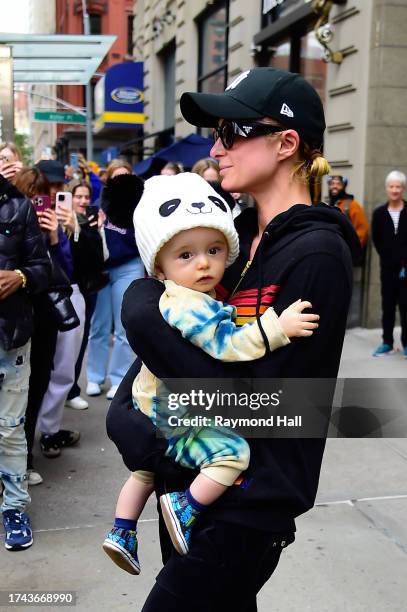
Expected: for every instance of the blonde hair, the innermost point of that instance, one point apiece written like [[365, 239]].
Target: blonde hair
[[115, 164], [311, 165], [203, 164], [13, 148]]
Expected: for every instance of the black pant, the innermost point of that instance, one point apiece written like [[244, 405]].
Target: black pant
[[225, 568], [394, 292], [90, 303], [227, 563], [43, 343]]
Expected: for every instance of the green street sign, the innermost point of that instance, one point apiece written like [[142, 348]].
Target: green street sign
[[59, 117]]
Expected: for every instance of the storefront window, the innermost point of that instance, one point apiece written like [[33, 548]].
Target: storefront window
[[213, 49], [281, 56], [312, 66]]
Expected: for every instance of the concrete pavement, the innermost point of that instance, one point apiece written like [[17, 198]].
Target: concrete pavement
[[351, 549]]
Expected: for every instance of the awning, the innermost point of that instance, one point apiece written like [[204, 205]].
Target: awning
[[60, 59], [186, 151]]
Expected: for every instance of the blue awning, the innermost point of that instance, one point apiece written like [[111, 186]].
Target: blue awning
[[186, 151]]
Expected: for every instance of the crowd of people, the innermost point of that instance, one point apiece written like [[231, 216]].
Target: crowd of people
[[67, 258]]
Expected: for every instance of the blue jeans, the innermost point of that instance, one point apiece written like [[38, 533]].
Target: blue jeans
[[107, 314], [14, 377]]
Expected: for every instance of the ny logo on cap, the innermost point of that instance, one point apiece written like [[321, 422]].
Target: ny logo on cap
[[286, 110], [238, 79]]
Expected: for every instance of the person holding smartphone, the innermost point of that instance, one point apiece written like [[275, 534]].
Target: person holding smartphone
[[10, 160], [123, 265], [87, 254], [87, 251], [24, 271], [34, 185]]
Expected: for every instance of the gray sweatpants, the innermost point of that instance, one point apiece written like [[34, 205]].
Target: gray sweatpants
[[63, 372]]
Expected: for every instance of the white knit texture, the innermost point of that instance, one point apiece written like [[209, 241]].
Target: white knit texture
[[154, 227]]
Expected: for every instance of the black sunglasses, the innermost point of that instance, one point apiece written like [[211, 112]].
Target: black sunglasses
[[228, 130]]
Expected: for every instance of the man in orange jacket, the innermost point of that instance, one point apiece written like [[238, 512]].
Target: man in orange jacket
[[349, 206]]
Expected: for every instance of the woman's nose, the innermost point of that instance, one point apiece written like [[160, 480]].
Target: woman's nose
[[217, 149]]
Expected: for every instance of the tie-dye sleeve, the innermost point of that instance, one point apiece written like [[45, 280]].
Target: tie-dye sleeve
[[209, 324]]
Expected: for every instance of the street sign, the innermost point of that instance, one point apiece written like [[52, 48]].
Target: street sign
[[59, 117]]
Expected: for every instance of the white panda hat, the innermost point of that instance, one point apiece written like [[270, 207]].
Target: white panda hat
[[172, 204]]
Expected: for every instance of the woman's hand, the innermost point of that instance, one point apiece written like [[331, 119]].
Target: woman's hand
[[9, 169], [48, 222], [10, 282], [296, 323], [101, 218], [66, 217]]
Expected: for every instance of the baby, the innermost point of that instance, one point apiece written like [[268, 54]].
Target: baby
[[186, 238]]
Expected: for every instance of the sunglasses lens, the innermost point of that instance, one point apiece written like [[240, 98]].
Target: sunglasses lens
[[227, 135]]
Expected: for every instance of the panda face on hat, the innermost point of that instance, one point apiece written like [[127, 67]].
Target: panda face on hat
[[172, 204]]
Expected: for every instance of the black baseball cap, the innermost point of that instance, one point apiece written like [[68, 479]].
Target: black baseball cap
[[283, 96], [53, 170]]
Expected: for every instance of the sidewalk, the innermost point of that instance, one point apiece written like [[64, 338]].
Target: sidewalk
[[350, 554]]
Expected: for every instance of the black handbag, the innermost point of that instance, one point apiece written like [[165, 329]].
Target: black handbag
[[58, 296]]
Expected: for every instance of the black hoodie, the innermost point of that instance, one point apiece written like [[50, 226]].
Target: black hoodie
[[304, 253]]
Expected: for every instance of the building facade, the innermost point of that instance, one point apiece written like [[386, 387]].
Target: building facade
[[42, 97], [105, 17], [200, 45]]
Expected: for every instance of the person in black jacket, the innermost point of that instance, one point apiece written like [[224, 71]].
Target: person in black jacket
[[389, 234], [24, 271], [268, 129]]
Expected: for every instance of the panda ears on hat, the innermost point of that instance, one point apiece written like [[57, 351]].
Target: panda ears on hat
[[120, 197]]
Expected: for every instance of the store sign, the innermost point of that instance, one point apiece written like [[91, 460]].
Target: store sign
[[119, 96], [127, 95]]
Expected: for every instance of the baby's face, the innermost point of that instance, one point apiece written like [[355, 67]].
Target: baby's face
[[194, 258]]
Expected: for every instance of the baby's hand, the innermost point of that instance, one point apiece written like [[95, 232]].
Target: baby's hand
[[295, 323]]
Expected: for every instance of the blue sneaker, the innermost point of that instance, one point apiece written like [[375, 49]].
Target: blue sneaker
[[383, 349], [405, 351], [121, 546], [18, 530], [179, 517]]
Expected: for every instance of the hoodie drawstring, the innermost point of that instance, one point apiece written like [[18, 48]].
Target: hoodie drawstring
[[259, 287]]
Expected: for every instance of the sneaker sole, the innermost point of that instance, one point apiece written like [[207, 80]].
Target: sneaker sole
[[173, 526], [68, 444], [51, 454], [35, 483], [76, 407], [121, 557], [383, 354], [19, 546]]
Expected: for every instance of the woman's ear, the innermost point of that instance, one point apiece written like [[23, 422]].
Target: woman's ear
[[289, 144]]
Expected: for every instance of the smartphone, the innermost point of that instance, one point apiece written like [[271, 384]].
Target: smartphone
[[74, 160], [92, 211], [63, 199], [41, 202]]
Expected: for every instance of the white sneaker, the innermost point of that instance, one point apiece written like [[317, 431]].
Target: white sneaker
[[112, 392], [34, 478], [93, 389], [78, 403]]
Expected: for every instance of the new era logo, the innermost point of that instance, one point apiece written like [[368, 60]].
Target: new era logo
[[286, 110]]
